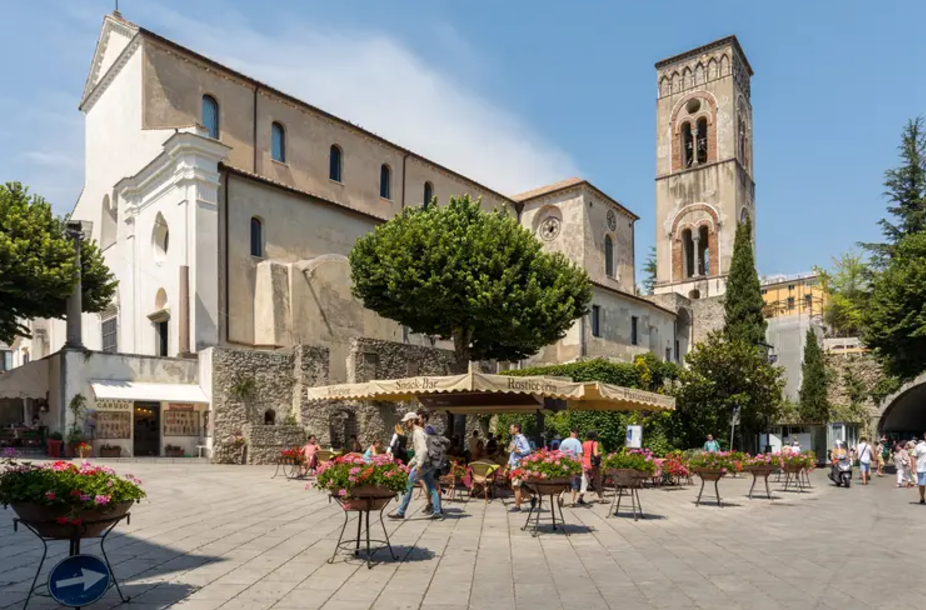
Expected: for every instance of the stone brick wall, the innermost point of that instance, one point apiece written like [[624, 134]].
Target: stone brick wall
[[867, 372], [266, 442], [707, 316]]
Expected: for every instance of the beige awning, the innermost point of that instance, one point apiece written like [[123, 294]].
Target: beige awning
[[26, 381], [485, 393], [155, 392]]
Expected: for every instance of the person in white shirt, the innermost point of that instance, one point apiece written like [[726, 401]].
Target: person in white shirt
[[421, 469], [919, 455], [572, 446], [864, 453]]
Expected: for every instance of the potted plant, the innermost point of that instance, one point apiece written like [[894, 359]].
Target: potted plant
[[75, 435], [58, 497], [174, 451], [549, 472], [628, 466], [110, 451], [737, 461], [53, 444], [710, 466], [675, 465], [74, 438], [83, 450], [360, 485], [761, 464]]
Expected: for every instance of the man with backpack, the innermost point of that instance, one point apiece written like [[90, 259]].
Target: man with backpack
[[864, 453], [422, 464]]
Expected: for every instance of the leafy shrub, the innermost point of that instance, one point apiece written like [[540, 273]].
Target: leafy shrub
[[545, 464], [633, 459], [342, 474]]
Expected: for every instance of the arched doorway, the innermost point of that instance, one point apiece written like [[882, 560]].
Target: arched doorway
[[341, 425]]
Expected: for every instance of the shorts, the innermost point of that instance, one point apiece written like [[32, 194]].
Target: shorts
[[864, 466], [921, 479], [576, 483]]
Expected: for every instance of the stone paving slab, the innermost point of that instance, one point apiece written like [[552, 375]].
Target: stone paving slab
[[232, 538]]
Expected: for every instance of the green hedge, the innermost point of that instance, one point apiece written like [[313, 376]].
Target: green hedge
[[647, 372]]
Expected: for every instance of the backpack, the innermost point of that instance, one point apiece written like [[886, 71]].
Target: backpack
[[400, 448], [437, 453]]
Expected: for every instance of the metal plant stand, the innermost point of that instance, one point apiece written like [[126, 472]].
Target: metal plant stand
[[706, 476], [77, 534], [765, 474], [292, 468], [363, 507], [794, 478], [552, 492], [635, 506]]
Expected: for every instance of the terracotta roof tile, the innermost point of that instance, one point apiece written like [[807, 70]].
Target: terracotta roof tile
[[550, 188]]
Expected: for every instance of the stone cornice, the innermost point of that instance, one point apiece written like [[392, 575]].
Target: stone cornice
[[91, 98], [111, 24]]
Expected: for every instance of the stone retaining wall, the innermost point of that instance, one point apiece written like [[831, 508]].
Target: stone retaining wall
[[266, 442]]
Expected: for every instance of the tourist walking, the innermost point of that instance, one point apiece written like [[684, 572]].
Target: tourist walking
[[911, 447], [421, 469], [398, 445], [711, 445], [573, 446], [879, 458], [919, 456], [902, 464], [864, 453], [517, 449], [591, 467]]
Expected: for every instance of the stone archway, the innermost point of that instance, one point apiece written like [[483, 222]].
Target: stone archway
[[904, 411]]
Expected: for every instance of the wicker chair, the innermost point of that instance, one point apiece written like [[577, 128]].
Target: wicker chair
[[484, 475]]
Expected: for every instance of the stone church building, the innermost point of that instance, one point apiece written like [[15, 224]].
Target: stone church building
[[226, 210]]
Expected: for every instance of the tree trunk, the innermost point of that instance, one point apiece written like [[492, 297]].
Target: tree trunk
[[461, 348]]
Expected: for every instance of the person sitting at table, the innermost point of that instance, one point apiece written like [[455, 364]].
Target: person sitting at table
[[478, 452], [354, 445], [375, 449], [311, 450]]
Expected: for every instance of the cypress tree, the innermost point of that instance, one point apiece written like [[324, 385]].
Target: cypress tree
[[743, 319], [814, 402]]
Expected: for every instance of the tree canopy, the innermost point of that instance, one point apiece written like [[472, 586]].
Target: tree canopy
[[37, 267], [847, 285], [894, 319], [814, 407], [476, 277], [649, 269], [905, 190], [743, 304]]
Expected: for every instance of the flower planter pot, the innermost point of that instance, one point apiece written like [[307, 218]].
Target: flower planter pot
[[85, 453], [709, 474], [761, 470], [94, 521], [112, 452], [367, 497], [174, 453], [549, 487], [628, 477], [53, 448]]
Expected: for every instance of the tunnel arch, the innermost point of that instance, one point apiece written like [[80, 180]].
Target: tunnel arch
[[904, 412]]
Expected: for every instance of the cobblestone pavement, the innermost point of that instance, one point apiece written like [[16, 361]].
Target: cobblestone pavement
[[233, 538]]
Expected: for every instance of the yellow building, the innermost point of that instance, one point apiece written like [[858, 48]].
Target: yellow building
[[793, 295]]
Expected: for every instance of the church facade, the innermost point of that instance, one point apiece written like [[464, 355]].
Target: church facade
[[227, 209]]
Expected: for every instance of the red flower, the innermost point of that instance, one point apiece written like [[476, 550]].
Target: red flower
[[61, 520], [75, 492]]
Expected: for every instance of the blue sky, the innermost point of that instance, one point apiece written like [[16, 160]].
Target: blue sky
[[517, 93]]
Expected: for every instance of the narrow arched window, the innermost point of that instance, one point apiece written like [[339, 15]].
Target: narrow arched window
[[278, 143], [702, 140], [688, 254], [334, 168], [609, 256], [385, 182], [211, 116], [687, 145], [704, 254], [257, 237], [428, 194]]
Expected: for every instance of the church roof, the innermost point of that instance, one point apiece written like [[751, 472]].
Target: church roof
[[566, 184]]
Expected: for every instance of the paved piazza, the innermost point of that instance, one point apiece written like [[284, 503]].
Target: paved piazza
[[230, 537]]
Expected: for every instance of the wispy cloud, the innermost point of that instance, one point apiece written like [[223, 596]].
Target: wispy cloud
[[374, 80]]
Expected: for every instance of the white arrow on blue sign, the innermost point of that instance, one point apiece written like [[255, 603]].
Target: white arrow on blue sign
[[78, 580]]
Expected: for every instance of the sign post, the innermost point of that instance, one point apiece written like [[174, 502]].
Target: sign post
[[634, 437], [79, 580]]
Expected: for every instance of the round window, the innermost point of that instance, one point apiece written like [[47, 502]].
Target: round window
[[693, 106]]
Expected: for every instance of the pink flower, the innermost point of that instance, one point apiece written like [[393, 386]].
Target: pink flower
[[342, 492], [354, 470], [109, 483], [84, 497], [101, 500], [49, 495]]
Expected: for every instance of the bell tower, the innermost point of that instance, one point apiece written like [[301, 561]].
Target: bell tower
[[704, 179]]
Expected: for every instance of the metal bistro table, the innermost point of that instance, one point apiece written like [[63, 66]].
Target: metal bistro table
[[77, 533], [550, 489], [363, 505]]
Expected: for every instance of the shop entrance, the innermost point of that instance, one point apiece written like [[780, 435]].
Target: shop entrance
[[147, 429]]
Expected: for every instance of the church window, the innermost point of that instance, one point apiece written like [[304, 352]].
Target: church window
[[609, 256], [160, 237], [596, 321], [257, 237], [270, 417], [161, 334], [109, 330], [278, 143], [693, 105], [335, 163], [687, 254], [428, 194], [634, 337], [702, 140], [687, 144], [385, 182], [211, 116], [704, 251]]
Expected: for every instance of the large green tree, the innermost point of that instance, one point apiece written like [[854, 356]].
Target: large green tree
[[905, 189], [38, 270], [814, 406], [846, 285], [894, 319], [649, 269], [743, 304], [723, 374], [478, 278]]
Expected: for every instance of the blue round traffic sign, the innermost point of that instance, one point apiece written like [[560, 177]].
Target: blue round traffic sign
[[78, 580]]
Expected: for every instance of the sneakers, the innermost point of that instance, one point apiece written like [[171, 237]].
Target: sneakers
[[437, 517], [395, 516], [515, 509], [581, 502], [427, 509], [922, 501]]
